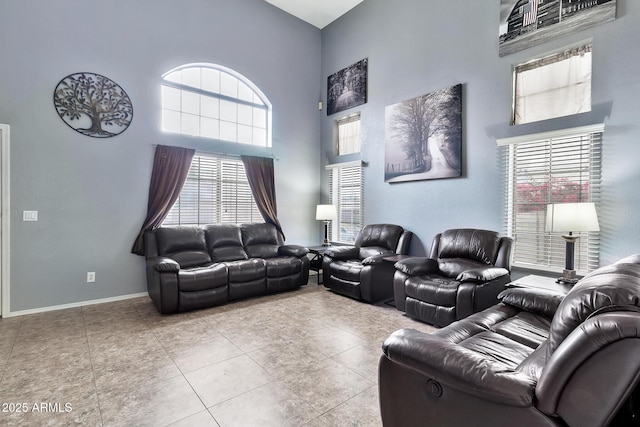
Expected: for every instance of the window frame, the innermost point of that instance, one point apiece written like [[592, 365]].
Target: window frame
[[346, 210], [341, 144], [263, 103], [585, 47], [552, 245]]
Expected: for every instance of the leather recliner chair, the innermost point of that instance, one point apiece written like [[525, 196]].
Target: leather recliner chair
[[538, 358], [464, 273], [360, 271]]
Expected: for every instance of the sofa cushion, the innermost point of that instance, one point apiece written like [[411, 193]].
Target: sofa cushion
[[452, 267], [246, 270], [382, 235], [260, 240], [346, 270], [479, 245], [224, 242], [432, 289], [283, 266], [201, 278], [184, 244]]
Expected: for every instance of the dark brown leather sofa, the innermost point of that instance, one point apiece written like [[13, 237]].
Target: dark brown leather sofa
[[464, 273], [535, 359], [190, 267], [360, 271]]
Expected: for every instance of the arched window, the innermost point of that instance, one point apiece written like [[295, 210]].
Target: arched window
[[212, 101]]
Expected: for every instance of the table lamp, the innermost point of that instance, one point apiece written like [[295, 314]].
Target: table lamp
[[326, 213], [570, 217]]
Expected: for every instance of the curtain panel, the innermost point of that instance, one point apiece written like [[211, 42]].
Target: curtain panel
[[170, 169], [260, 175]]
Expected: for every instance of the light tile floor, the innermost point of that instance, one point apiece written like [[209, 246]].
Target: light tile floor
[[302, 358]]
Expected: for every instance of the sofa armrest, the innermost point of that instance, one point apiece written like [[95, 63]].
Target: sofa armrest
[[538, 301], [163, 264], [601, 354], [417, 266], [481, 275], [342, 252], [460, 368], [293, 250], [374, 259]]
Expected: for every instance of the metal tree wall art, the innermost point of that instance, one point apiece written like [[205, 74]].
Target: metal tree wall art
[[93, 105]]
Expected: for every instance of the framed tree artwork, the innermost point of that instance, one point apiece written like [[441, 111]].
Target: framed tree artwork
[[93, 105], [347, 88], [423, 137]]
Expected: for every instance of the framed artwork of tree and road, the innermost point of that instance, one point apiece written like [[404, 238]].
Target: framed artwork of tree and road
[[423, 137]]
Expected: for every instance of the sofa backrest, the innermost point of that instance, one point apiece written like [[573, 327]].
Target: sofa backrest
[[605, 288], [224, 242], [376, 239], [466, 248], [261, 240], [184, 244]]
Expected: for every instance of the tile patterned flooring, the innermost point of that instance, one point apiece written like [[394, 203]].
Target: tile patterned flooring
[[302, 358]]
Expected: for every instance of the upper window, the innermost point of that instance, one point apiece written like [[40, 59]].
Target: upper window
[[554, 86], [557, 167], [215, 102], [348, 135]]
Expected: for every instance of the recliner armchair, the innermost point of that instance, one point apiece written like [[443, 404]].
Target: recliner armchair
[[464, 273], [360, 271]]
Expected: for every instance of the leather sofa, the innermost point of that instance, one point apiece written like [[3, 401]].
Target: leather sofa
[[538, 358], [464, 273], [191, 267], [360, 271]]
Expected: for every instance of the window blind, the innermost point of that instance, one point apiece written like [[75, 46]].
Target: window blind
[[565, 168], [216, 191], [345, 192]]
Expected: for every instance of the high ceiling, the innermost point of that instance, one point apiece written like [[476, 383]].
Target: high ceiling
[[316, 12]]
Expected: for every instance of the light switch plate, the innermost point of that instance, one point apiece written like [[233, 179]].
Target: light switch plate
[[29, 215]]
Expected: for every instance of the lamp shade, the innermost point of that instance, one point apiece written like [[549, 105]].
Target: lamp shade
[[572, 217], [326, 213]]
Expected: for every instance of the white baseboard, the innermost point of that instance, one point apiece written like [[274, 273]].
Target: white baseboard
[[73, 305]]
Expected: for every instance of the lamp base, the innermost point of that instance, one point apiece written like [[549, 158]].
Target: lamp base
[[569, 277]]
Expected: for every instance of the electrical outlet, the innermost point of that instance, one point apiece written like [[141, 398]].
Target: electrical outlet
[[91, 277]]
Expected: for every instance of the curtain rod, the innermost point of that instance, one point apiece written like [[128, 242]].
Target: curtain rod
[[219, 153]]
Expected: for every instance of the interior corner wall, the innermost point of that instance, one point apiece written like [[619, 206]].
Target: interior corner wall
[[91, 193], [415, 47]]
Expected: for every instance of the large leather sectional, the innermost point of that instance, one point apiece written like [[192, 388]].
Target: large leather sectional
[[538, 358], [191, 267]]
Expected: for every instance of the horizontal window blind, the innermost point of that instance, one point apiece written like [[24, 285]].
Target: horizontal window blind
[[562, 169], [216, 191], [345, 192]]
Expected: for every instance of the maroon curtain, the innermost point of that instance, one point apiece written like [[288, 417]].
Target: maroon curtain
[[170, 169], [260, 175]]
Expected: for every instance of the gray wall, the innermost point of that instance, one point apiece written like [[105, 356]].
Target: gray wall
[[416, 46], [91, 194]]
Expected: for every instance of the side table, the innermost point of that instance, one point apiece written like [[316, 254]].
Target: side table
[[540, 282], [315, 262]]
